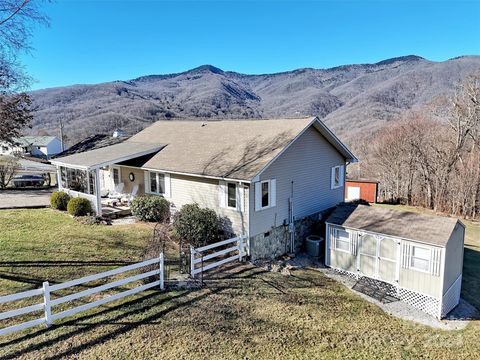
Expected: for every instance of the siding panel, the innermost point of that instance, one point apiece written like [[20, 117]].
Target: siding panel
[[307, 163]]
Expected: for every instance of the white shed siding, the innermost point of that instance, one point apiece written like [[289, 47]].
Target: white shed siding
[[307, 162], [454, 256]]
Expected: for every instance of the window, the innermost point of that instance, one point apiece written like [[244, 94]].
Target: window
[[337, 176], [232, 195], [157, 183], [153, 182], [420, 259], [342, 241], [265, 194], [91, 182], [116, 176]]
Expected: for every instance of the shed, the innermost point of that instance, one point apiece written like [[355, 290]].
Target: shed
[[358, 189], [419, 256]]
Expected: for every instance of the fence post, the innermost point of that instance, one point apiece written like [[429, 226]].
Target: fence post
[[192, 263], [162, 269], [46, 304], [240, 248]]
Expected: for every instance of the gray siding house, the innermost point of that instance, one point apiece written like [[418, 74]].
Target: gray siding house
[[268, 179]]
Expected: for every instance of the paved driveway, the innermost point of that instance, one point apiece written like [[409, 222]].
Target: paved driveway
[[18, 199]]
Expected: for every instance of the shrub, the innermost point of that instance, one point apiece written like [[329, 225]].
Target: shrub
[[196, 225], [79, 207], [59, 200], [150, 208]]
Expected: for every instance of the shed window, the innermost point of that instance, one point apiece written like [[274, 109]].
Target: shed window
[[420, 259], [342, 242]]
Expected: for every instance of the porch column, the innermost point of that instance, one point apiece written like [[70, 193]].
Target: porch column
[[97, 192], [59, 178]]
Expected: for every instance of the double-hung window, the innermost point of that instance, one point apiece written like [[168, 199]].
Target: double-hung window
[[157, 183], [232, 195], [265, 194], [420, 259], [337, 176]]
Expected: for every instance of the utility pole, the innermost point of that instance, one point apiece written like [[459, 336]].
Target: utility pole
[[61, 135]]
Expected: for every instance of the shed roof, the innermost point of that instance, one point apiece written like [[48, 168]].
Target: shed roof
[[435, 230], [108, 155], [34, 140]]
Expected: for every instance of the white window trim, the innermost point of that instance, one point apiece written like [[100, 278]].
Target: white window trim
[[349, 241], [166, 181], [410, 266], [119, 175], [341, 176], [269, 194], [237, 197]]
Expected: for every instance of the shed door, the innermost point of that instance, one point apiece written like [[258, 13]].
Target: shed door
[[353, 193], [378, 257], [367, 255], [387, 259]]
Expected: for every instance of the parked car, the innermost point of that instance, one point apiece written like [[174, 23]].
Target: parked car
[[25, 180]]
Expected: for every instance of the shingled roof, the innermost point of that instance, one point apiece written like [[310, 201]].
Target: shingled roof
[[435, 230], [234, 149]]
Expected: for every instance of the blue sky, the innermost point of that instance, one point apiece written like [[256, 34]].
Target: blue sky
[[97, 41]]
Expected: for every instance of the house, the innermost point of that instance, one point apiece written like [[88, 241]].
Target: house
[[268, 179], [39, 146], [356, 189], [419, 257]]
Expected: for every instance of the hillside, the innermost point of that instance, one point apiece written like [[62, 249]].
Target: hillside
[[350, 98]]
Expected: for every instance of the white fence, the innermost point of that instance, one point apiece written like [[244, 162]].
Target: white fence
[[200, 257], [47, 305]]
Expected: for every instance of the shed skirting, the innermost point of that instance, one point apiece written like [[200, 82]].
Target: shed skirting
[[436, 307]]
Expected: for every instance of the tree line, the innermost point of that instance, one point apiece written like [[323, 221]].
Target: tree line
[[430, 157]]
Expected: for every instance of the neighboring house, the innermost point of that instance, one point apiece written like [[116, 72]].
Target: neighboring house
[[268, 179], [420, 257], [39, 146], [356, 189]]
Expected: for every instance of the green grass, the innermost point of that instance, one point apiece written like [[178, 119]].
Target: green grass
[[471, 260], [242, 313]]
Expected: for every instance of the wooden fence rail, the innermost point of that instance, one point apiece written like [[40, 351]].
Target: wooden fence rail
[[200, 255], [47, 304]]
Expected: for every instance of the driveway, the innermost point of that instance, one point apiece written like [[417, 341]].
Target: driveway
[[18, 199]]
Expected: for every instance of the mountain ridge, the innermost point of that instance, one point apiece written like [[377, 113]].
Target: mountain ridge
[[351, 98]]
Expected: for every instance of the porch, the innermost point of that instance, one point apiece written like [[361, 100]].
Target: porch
[[105, 176]]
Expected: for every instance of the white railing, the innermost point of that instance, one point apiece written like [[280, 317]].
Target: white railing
[[201, 255], [48, 317]]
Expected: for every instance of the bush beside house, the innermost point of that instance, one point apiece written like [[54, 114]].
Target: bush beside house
[[198, 226], [79, 207], [59, 200], [150, 208]]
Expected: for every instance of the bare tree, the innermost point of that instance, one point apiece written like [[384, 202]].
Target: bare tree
[[17, 19], [8, 169]]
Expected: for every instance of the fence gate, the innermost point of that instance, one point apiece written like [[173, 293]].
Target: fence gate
[[227, 250]]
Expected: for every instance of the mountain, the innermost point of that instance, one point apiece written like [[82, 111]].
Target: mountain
[[349, 98]]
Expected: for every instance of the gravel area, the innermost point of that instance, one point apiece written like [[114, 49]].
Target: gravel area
[[24, 199], [456, 319]]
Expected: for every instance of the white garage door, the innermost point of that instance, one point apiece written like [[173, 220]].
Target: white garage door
[[353, 193]]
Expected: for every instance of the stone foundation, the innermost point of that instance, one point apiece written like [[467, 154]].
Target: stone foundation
[[276, 242]]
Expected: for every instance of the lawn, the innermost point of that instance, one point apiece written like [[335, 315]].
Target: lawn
[[242, 313]]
